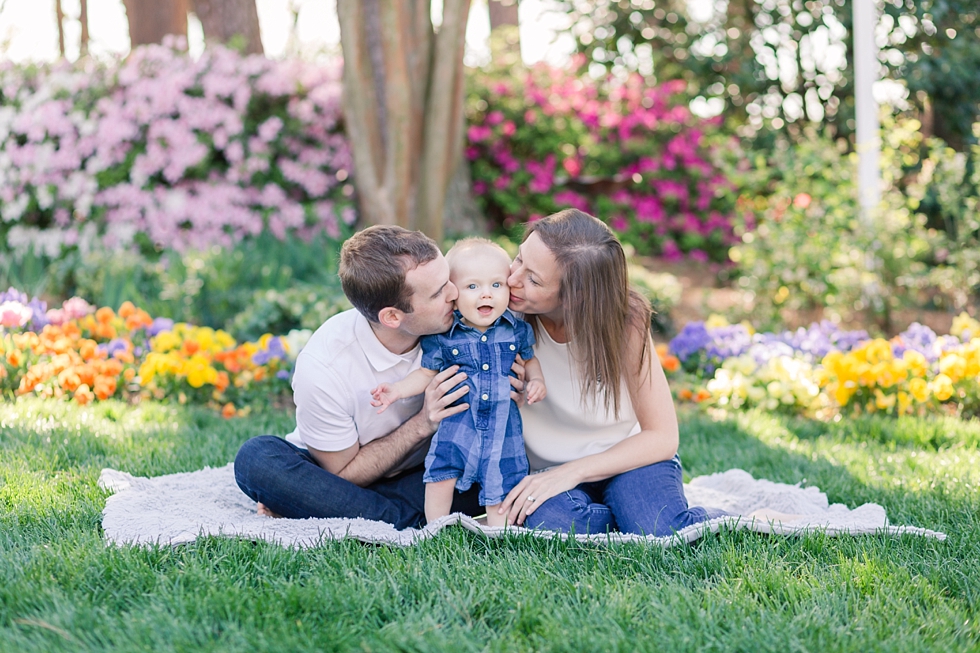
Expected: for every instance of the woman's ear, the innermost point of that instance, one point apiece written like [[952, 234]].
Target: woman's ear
[[390, 317]]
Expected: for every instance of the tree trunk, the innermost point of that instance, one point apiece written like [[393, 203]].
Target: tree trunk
[[151, 20], [403, 107], [83, 19], [505, 35], [60, 16], [231, 22]]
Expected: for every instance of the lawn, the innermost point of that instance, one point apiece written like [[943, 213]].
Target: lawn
[[61, 588]]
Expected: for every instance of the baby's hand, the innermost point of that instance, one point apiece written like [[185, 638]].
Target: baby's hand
[[536, 391], [384, 395]]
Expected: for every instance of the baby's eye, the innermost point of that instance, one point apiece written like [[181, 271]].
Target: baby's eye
[[472, 286], [496, 284]]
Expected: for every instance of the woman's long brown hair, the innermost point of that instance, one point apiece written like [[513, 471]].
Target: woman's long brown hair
[[600, 310]]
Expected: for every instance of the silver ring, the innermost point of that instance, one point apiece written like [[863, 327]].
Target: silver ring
[[531, 499]]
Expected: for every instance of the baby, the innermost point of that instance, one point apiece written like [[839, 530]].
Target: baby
[[484, 444]]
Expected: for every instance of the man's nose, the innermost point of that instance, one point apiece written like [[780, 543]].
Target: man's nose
[[452, 292]]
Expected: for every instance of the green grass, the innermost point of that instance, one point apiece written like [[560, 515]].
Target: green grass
[[62, 588]]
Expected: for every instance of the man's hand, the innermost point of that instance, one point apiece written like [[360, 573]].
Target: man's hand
[[384, 395], [517, 382], [440, 393]]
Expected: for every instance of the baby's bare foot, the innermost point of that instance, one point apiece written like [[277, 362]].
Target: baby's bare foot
[[263, 510]]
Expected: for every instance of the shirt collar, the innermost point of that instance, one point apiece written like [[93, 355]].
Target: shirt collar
[[458, 321], [379, 356]]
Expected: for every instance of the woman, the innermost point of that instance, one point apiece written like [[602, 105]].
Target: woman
[[606, 436]]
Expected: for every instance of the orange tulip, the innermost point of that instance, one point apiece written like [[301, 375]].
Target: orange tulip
[[228, 410]]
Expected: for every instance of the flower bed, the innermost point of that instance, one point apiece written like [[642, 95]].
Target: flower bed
[[84, 354], [823, 371], [171, 151], [628, 151]]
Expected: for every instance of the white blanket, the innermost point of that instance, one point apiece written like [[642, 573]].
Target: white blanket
[[179, 508]]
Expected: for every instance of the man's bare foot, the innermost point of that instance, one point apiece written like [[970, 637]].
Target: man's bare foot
[[263, 510]]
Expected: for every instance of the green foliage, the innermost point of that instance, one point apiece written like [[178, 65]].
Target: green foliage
[[804, 244], [302, 306], [757, 57], [258, 286]]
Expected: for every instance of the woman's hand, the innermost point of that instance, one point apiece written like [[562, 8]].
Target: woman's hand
[[535, 489], [440, 394]]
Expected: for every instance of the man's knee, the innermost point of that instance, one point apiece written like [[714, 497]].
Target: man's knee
[[254, 460]]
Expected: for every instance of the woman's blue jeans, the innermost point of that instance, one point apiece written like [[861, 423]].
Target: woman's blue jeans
[[647, 501]]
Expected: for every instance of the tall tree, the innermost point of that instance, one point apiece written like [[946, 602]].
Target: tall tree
[[234, 22], [151, 20], [403, 106], [59, 14], [83, 19], [504, 21]]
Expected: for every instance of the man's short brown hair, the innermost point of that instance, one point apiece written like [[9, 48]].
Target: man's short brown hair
[[373, 264]]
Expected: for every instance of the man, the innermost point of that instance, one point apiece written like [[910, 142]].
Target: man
[[345, 459]]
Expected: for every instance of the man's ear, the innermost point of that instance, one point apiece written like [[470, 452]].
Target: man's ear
[[391, 317]]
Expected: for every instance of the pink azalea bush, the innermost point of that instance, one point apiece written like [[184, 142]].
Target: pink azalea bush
[[165, 150], [628, 151]]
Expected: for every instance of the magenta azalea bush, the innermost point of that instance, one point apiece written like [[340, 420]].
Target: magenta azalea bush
[[628, 151], [171, 152]]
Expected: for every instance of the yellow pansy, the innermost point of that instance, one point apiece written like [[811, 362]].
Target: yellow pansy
[[716, 321], [953, 365], [916, 363], [883, 401], [942, 387], [964, 323], [919, 389]]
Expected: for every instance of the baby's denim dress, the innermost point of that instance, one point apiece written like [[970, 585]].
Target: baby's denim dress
[[484, 444]]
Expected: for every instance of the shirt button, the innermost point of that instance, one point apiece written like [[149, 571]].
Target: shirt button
[[483, 339], [512, 347], [485, 397], [486, 367], [455, 352]]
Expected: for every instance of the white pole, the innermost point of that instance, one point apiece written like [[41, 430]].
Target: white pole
[[866, 73]]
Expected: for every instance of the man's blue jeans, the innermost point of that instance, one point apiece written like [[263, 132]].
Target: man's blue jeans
[[647, 501], [289, 482]]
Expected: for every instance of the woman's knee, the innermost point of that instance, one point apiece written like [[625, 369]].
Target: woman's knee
[[572, 511]]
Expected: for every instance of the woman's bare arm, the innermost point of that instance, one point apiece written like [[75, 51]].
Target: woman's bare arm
[[656, 441]]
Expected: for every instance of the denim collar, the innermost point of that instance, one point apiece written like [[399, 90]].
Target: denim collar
[[458, 322]]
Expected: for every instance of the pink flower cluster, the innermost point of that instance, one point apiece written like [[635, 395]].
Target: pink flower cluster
[[628, 151], [191, 153]]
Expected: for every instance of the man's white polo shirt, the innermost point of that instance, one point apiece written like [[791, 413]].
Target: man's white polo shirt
[[335, 373]]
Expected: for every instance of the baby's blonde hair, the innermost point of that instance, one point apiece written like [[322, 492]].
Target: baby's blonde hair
[[473, 242]]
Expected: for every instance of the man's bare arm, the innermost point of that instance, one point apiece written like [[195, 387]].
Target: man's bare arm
[[363, 466]]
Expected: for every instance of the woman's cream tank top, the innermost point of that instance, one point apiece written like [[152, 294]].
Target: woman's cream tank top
[[565, 427]]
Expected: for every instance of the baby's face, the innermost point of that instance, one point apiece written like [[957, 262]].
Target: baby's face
[[480, 275]]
